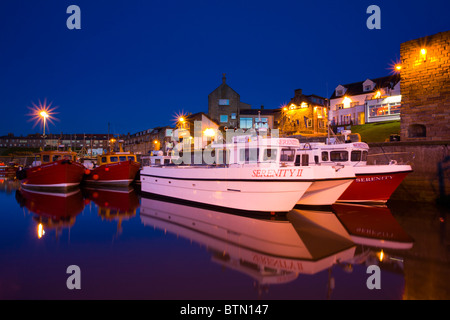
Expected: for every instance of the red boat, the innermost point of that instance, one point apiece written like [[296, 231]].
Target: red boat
[[113, 169], [54, 170], [373, 183]]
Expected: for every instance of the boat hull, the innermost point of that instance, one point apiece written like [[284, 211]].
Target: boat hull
[[246, 189], [113, 174], [58, 175], [326, 191], [375, 183]]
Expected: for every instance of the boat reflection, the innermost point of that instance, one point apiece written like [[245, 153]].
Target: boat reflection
[[380, 238], [114, 204], [8, 185], [52, 210], [271, 251]]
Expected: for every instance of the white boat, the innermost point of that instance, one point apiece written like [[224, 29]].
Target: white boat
[[257, 174], [373, 183]]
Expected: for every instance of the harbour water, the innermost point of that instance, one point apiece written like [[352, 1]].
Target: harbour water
[[128, 247]]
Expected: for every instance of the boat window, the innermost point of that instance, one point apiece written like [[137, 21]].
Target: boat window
[[122, 158], [45, 158], [339, 155], [364, 156], [305, 159], [67, 157], [355, 155], [324, 155], [131, 158], [287, 155], [249, 154], [270, 154], [56, 158], [113, 159], [103, 159]]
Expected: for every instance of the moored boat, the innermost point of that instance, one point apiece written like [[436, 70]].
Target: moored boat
[[53, 169], [373, 183], [255, 174], [113, 169]]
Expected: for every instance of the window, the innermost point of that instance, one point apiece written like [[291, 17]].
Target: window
[[364, 156], [270, 155], [354, 104], [45, 158], [223, 118], [122, 158], [249, 154], [287, 155], [131, 158], [246, 123], [339, 155], [113, 159], [261, 123], [367, 88], [224, 102], [233, 116], [339, 106], [355, 155], [56, 158], [339, 92], [103, 159], [324, 155]]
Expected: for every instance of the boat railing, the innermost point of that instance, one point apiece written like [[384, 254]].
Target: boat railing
[[403, 158]]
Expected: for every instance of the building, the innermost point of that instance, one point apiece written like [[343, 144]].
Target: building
[[146, 141], [258, 118], [425, 87], [304, 114], [224, 106], [198, 128], [73, 141], [371, 100]]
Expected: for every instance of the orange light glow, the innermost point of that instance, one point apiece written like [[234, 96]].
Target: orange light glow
[[423, 51], [398, 67], [40, 230], [41, 113]]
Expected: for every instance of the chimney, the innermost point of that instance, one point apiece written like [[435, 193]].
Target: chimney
[[297, 93], [224, 79]]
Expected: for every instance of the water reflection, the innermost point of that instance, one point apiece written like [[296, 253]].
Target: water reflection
[[273, 252], [51, 210], [114, 204], [277, 251]]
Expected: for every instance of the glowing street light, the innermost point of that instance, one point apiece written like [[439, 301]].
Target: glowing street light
[[42, 112]]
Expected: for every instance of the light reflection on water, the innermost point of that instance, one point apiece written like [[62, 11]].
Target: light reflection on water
[[133, 248]]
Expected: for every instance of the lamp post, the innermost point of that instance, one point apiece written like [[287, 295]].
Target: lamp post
[[44, 116]]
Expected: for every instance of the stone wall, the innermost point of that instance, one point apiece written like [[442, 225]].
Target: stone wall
[[430, 180], [425, 88]]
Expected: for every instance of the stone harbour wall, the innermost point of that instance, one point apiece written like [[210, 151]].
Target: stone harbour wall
[[430, 180], [425, 88]]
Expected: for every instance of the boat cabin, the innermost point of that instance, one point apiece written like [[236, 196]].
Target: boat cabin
[[115, 157], [258, 150], [44, 157], [351, 154]]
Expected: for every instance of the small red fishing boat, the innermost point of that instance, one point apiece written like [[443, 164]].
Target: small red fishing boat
[[113, 169], [54, 170]]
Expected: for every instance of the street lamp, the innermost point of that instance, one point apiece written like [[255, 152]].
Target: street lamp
[[44, 116]]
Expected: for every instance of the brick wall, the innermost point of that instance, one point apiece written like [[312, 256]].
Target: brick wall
[[425, 88]]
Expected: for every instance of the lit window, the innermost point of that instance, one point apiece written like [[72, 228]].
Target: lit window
[[246, 123], [224, 102], [223, 118]]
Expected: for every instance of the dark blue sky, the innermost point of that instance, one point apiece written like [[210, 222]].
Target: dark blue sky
[[135, 64]]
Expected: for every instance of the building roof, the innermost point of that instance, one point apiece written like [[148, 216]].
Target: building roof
[[356, 88]]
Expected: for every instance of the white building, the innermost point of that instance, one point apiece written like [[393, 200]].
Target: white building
[[372, 100]]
